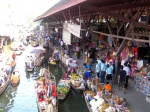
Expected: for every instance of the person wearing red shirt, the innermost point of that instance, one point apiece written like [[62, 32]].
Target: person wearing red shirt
[[14, 55]]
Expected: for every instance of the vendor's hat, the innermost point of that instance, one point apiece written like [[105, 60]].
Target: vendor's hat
[[49, 99]]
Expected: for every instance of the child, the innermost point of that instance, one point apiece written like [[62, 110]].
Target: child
[[107, 87]]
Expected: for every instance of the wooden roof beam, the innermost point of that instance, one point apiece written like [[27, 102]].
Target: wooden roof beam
[[93, 34], [118, 16], [127, 6]]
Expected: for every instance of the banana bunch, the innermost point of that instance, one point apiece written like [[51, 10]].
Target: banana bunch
[[74, 77], [52, 62]]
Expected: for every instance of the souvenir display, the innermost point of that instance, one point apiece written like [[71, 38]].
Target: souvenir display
[[142, 80]]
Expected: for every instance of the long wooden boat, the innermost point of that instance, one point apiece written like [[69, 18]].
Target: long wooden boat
[[63, 89], [15, 84], [46, 94], [77, 89], [87, 103], [4, 86]]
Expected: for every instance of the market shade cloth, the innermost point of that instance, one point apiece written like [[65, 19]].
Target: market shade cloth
[[66, 35], [74, 29], [37, 50]]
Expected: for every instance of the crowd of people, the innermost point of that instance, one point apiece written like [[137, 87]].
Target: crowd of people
[[29, 61], [104, 63]]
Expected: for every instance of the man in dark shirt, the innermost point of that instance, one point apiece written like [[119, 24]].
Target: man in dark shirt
[[122, 78]]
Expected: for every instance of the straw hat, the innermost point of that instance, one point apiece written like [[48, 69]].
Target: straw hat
[[49, 99]]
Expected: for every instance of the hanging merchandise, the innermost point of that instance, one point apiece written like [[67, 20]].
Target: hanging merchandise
[[142, 80]]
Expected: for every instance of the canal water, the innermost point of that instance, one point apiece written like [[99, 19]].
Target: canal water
[[23, 97]]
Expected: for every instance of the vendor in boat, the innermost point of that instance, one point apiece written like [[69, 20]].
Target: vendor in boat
[[8, 70], [107, 87], [2, 77], [41, 95], [56, 53], [53, 90], [49, 106], [65, 76], [3, 74], [14, 55], [40, 92], [89, 97], [31, 58], [1, 80], [50, 59], [27, 59], [12, 63], [14, 78]]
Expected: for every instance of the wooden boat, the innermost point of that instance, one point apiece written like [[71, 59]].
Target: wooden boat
[[87, 103], [15, 84], [46, 93], [4, 86], [76, 88], [63, 89]]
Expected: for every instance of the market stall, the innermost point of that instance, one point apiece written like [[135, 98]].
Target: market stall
[[142, 80]]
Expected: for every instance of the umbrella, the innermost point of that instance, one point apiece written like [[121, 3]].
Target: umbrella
[[37, 50]]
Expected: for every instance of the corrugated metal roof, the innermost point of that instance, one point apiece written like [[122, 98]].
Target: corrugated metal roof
[[63, 4]]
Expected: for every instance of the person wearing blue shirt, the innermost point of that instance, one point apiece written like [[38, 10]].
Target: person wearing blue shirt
[[112, 67], [87, 74], [109, 73], [103, 71], [99, 61], [97, 69], [87, 66]]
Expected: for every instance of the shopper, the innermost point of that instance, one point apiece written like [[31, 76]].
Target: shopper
[[103, 71], [109, 73], [122, 78], [78, 51], [99, 61], [127, 69], [97, 69]]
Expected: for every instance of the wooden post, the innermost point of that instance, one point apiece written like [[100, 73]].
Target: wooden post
[[116, 69]]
